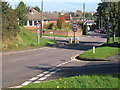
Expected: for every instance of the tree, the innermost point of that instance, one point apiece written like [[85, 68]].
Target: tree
[[102, 13], [9, 22], [37, 9], [61, 22], [21, 11]]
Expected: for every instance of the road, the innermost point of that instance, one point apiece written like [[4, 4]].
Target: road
[[19, 67]]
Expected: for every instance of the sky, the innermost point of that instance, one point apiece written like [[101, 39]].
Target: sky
[[59, 5]]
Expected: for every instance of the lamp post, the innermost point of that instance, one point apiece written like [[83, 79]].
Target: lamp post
[[41, 18], [108, 22]]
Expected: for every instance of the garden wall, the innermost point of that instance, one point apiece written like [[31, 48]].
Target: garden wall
[[64, 33]]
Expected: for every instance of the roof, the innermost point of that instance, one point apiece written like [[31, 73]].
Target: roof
[[35, 15], [51, 16], [66, 16]]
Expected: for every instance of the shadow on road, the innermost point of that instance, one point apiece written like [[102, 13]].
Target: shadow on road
[[88, 69], [79, 46]]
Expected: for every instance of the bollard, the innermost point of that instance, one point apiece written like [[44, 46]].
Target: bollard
[[70, 40], [93, 49], [76, 40], [54, 39]]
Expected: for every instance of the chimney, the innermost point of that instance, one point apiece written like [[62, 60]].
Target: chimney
[[32, 10]]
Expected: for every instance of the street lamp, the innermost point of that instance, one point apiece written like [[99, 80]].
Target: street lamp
[[108, 22], [41, 18]]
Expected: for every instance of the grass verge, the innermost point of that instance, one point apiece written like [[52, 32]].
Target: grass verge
[[103, 51], [55, 35], [25, 39], [85, 81]]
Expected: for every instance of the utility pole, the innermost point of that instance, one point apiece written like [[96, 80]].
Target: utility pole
[[83, 11], [41, 18], [99, 22], [84, 32]]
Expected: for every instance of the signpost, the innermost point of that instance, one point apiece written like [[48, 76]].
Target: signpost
[[39, 25], [109, 25], [74, 28]]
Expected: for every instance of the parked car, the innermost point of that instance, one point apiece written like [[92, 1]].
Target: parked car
[[97, 30], [103, 31]]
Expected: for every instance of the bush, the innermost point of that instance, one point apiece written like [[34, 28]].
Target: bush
[[9, 22], [49, 26]]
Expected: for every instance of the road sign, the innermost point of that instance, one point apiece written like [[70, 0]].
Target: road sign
[[110, 25], [74, 24], [39, 25], [74, 29]]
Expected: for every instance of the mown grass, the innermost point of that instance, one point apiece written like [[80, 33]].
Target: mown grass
[[85, 81], [104, 51], [117, 39], [101, 53], [25, 39], [55, 35]]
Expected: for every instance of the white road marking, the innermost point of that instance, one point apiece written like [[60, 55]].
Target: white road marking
[[53, 72], [26, 83], [34, 78], [58, 65], [40, 75], [48, 75], [46, 72], [43, 78], [50, 72], [37, 82]]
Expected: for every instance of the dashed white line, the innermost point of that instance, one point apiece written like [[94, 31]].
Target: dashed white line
[[40, 75], [37, 82], [46, 72], [43, 78], [48, 75], [58, 65], [34, 78], [26, 83]]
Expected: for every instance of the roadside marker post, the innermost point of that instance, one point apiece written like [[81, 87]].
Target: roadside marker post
[[39, 25], [93, 49], [70, 40]]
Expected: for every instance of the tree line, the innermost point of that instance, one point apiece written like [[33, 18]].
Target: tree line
[[12, 19], [109, 15]]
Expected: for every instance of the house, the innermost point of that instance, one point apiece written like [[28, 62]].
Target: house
[[67, 17], [89, 23], [34, 17], [50, 17]]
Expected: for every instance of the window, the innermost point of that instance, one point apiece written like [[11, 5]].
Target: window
[[30, 22]]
